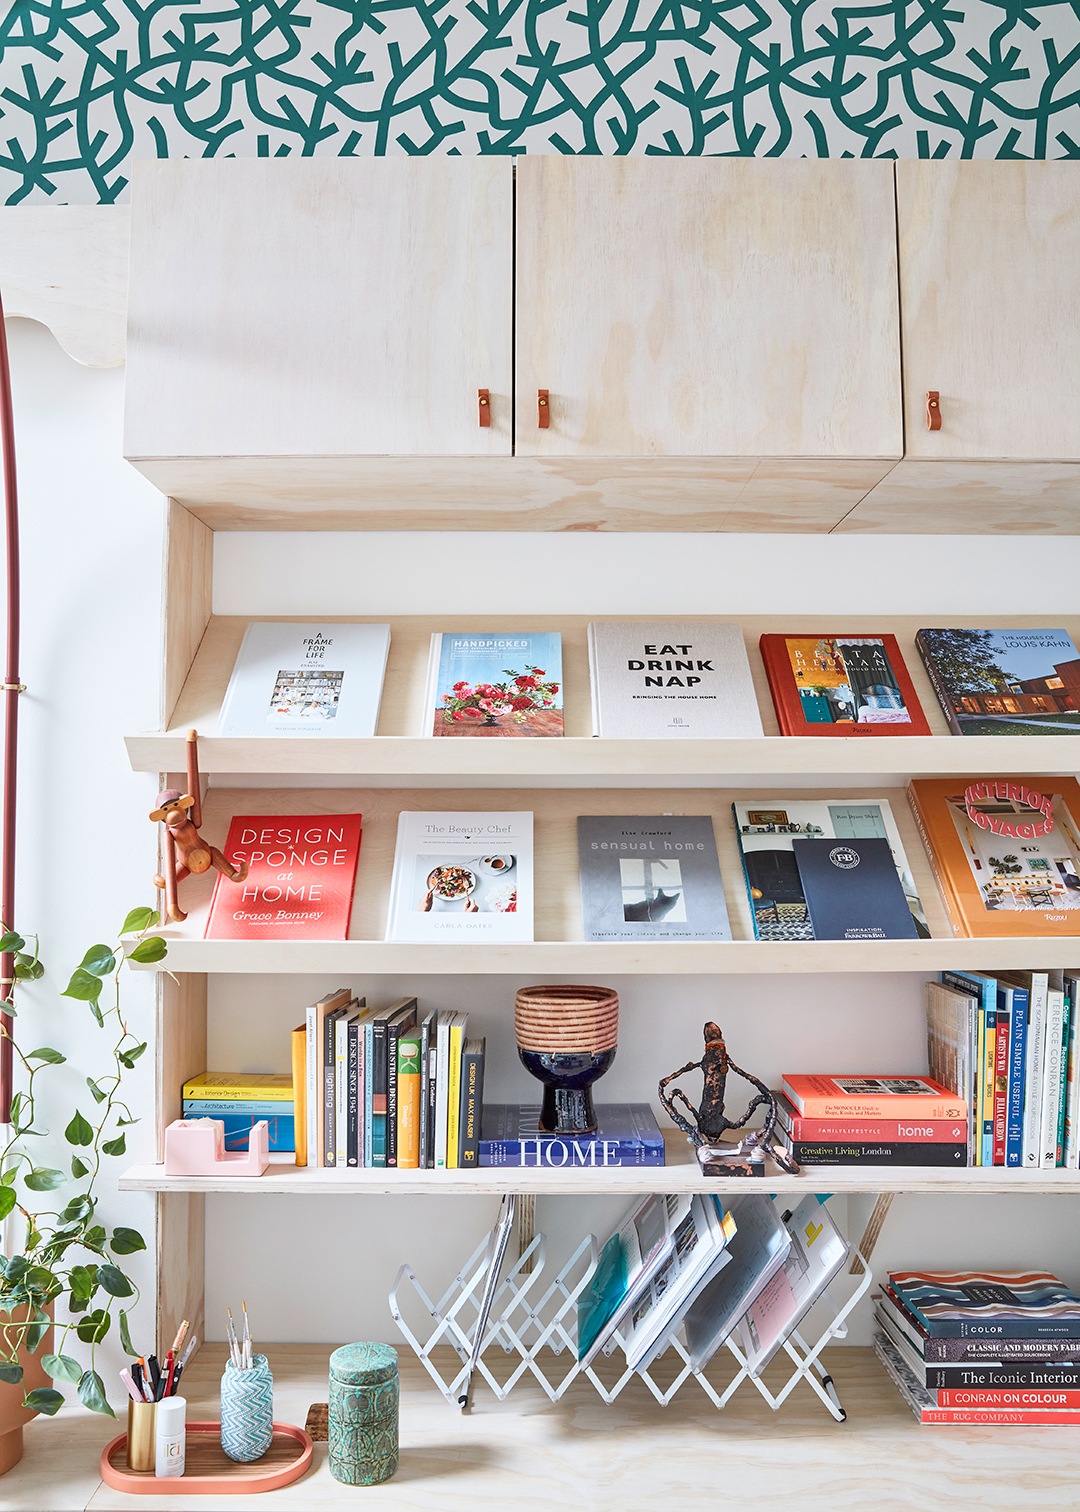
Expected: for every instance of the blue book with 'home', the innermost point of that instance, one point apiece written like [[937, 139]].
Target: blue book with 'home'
[[852, 890], [628, 1134]]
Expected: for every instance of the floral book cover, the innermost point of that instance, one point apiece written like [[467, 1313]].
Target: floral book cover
[[1005, 852], [1004, 682], [827, 685], [502, 684], [300, 880]]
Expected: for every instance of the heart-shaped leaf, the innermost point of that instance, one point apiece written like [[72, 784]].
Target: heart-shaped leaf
[[48, 1055], [78, 1131], [129, 1057], [91, 1330], [83, 986], [28, 968], [44, 1399], [92, 1392], [42, 1179], [95, 1091], [99, 960], [115, 1146], [10, 941], [125, 1338], [11, 1372], [62, 1368], [147, 951], [114, 1281], [7, 1201], [138, 920], [125, 1241], [79, 1167]]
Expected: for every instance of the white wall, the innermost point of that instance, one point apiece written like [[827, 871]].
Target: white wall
[[91, 594], [320, 1268], [445, 572]]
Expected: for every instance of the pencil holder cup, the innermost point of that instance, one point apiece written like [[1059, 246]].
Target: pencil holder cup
[[363, 1418], [141, 1434], [247, 1410]]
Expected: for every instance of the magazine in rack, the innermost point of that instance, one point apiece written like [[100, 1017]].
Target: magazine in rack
[[818, 1251]]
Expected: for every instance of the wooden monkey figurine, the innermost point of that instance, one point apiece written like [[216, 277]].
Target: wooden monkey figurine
[[184, 851]]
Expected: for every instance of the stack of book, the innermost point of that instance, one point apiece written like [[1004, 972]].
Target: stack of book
[[1006, 1045], [872, 1120], [981, 1347], [240, 1100]]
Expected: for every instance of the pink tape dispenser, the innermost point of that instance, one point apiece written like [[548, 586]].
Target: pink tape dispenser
[[196, 1147]]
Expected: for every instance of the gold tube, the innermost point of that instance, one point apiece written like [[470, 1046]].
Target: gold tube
[[140, 1434]]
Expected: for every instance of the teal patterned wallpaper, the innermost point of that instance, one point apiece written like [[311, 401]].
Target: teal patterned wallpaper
[[87, 84]]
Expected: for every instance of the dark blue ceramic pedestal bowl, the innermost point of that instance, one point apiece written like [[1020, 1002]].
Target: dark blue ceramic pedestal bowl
[[568, 1078]]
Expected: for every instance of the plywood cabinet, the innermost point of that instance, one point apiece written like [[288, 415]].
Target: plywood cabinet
[[710, 307], [319, 308], [990, 308]]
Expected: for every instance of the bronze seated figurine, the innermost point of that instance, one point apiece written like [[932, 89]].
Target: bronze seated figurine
[[710, 1124]]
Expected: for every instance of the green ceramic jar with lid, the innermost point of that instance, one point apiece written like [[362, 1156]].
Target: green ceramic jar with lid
[[363, 1426]]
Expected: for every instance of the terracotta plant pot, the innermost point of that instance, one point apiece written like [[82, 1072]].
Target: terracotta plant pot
[[13, 1415]]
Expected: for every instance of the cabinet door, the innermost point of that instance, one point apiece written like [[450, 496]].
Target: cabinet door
[[707, 307], [320, 307], [990, 302]]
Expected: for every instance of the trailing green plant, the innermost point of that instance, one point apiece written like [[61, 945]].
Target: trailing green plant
[[66, 1252]]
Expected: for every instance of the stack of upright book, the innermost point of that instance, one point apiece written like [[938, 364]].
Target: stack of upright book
[[982, 1346], [1007, 1044]]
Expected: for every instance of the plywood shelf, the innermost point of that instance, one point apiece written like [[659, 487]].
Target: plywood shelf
[[680, 1174], [400, 756], [558, 947], [699, 763], [582, 961]]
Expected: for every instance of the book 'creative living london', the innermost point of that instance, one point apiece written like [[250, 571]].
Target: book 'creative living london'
[[311, 680]]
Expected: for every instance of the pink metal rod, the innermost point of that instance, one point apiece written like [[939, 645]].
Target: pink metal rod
[[11, 712]]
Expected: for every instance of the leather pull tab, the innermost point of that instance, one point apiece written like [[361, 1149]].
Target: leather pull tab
[[543, 409], [933, 410], [484, 403]]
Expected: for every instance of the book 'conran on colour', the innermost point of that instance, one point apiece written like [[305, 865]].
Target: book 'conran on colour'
[[310, 680], [509, 683], [627, 1134], [1005, 852], [650, 877], [671, 680], [828, 685], [299, 886], [768, 836], [1004, 682], [462, 876]]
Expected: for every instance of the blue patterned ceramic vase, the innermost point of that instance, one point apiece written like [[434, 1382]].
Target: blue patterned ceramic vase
[[247, 1410], [363, 1426]]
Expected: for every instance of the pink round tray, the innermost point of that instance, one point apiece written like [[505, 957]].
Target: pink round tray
[[209, 1470]]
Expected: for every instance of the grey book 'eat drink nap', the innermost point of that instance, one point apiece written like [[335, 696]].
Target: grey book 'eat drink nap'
[[651, 877], [671, 680]]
